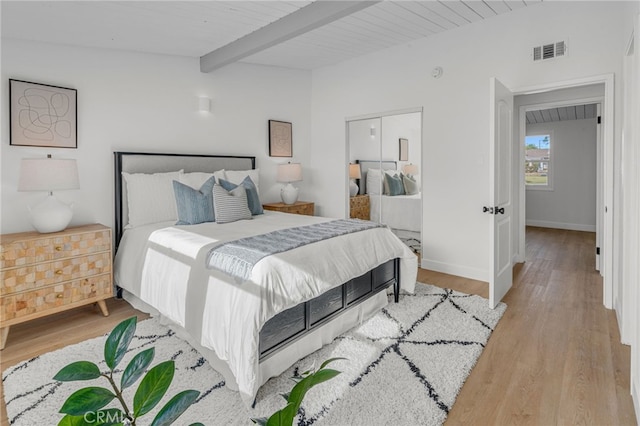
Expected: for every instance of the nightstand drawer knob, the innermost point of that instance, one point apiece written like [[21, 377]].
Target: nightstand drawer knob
[[59, 296], [58, 248], [59, 272]]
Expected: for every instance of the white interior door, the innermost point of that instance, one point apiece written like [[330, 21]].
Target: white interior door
[[500, 207]]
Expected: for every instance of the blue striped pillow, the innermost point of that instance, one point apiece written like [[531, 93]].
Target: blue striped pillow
[[194, 206], [230, 205], [253, 199]]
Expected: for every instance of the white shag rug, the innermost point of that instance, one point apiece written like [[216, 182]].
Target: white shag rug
[[405, 366]]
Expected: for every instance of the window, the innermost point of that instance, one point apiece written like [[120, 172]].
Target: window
[[537, 161]]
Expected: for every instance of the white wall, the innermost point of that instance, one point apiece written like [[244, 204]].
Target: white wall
[[407, 126], [456, 110], [143, 102], [571, 204]]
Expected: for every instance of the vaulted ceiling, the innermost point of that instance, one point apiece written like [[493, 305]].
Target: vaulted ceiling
[[277, 33], [573, 112]]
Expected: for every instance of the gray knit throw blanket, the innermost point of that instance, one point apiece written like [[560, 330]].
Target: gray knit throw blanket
[[237, 258]]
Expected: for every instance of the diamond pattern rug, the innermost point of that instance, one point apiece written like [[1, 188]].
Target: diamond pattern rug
[[405, 366]]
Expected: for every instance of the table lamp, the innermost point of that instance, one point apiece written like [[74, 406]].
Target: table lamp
[[287, 173], [49, 174], [410, 169], [354, 173]]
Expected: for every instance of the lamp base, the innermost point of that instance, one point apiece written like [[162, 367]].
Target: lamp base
[[353, 188], [289, 194], [50, 215]]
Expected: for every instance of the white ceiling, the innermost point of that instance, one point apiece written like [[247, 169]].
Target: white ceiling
[[574, 112], [195, 28]]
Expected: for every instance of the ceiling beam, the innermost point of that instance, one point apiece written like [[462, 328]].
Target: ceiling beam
[[303, 20]]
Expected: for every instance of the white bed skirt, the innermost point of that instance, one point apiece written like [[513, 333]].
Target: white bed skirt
[[276, 363]]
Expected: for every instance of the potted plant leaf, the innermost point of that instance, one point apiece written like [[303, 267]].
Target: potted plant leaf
[[304, 382], [86, 406]]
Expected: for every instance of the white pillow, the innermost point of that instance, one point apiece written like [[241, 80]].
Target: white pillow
[[230, 206], [197, 179], [237, 176], [374, 181], [150, 197]]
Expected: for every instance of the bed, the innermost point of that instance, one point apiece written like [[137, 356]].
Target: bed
[[294, 302], [402, 213]]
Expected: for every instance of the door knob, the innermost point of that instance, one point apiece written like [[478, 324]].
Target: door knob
[[499, 210], [486, 209]]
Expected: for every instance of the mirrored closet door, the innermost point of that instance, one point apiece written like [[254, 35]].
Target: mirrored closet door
[[384, 171]]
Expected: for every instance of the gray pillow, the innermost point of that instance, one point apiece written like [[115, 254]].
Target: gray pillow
[[230, 205], [253, 199], [394, 183], [194, 206], [411, 186]]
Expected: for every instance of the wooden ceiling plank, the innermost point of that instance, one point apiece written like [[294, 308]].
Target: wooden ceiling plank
[[579, 112], [445, 12], [590, 111], [498, 6], [463, 10], [387, 23], [563, 114], [480, 8], [403, 16], [514, 4], [555, 115], [538, 116], [427, 16], [299, 22], [546, 116]]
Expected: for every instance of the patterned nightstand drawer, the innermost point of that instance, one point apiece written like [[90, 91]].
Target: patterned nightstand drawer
[[359, 207], [29, 247], [299, 207], [25, 278], [32, 304]]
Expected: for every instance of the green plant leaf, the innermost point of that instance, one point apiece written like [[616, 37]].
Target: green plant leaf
[[87, 400], [285, 395], [300, 390], [262, 421], [329, 361], [152, 388], [70, 420], [136, 368], [175, 407], [81, 370], [281, 417], [196, 424], [118, 342]]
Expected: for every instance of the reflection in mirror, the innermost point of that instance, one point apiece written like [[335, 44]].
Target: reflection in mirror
[[387, 150]]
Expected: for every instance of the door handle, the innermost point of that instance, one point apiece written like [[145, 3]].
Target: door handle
[[499, 210], [486, 209]]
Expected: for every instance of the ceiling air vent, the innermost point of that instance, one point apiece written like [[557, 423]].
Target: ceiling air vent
[[549, 51]]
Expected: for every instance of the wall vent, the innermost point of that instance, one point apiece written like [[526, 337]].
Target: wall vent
[[549, 51]]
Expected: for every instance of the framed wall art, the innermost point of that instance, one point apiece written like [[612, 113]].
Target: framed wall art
[[42, 115], [280, 143], [404, 149]]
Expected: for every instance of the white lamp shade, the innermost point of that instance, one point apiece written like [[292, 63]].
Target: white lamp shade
[[354, 171], [410, 169], [48, 174], [290, 172]]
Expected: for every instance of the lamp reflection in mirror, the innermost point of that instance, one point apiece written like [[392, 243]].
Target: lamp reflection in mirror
[[410, 169], [49, 174], [354, 173], [287, 173]]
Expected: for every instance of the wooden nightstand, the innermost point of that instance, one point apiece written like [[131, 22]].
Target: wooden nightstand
[[360, 207], [299, 207], [41, 274]]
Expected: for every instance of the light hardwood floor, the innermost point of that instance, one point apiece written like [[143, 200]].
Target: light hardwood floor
[[554, 358]]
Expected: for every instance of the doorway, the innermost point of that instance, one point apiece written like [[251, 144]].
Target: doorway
[[600, 87], [562, 173]]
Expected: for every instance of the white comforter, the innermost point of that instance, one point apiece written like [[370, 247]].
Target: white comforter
[[398, 212], [164, 266]]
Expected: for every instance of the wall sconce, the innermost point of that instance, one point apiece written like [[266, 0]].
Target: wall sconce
[[204, 104], [372, 132]]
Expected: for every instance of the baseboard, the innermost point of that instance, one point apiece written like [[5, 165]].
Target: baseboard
[[621, 328], [459, 270], [560, 225]]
